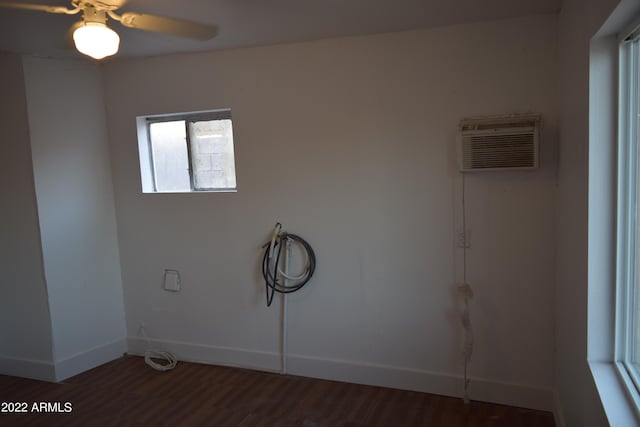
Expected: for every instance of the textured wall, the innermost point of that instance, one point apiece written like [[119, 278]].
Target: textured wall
[[351, 143]]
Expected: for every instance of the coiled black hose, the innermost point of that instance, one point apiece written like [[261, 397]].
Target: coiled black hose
[[272, 284]]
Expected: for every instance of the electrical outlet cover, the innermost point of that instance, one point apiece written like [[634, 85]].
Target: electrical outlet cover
[[171, 280]]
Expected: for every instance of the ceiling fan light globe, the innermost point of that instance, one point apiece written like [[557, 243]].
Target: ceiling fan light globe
[[96, 40]]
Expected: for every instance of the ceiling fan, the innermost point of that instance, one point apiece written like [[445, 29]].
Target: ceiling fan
[[94, 38]]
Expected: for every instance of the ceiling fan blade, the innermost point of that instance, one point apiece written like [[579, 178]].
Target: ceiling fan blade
[[39, 7], [175, 27]]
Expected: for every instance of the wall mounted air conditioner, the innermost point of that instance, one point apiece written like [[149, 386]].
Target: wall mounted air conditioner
[[495, 143]]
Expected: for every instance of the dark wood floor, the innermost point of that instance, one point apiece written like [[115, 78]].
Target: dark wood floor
[[126, 392]]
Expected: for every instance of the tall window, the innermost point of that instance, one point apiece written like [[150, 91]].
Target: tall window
[[188, 152], [628, 295]]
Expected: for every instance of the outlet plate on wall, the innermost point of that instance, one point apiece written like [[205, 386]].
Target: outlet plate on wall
[[172, 280]]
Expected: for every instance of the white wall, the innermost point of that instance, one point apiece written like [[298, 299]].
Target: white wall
[[578, 400], [77, 215], [25, 328], [350, 143]]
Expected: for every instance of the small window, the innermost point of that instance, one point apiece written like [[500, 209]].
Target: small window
[[187, 152]]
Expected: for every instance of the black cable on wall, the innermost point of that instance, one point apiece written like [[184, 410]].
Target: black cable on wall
[[273, 283]]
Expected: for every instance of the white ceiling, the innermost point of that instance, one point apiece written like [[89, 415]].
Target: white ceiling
[[243, 23]]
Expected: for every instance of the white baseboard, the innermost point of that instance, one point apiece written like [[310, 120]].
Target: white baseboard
[[25, 368], [558, 415], [198, 353], [525, 396], [89, 359]]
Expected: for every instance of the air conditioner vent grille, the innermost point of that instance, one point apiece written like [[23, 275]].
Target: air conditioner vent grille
[[499, 145]]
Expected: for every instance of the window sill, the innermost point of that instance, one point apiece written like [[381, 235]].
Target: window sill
[[234, 190], [619, 406]]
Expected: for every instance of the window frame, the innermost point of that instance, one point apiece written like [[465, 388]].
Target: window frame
[[628, 224], [188, 118], [611, 379]]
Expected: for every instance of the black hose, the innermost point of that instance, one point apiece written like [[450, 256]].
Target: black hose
[[272, 284]]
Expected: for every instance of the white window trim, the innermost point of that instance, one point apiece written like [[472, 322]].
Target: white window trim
[[627, 203], [613, 390], [613, 383]]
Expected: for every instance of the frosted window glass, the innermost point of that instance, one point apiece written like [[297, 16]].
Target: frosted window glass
[[169, 151], [212, 154]]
